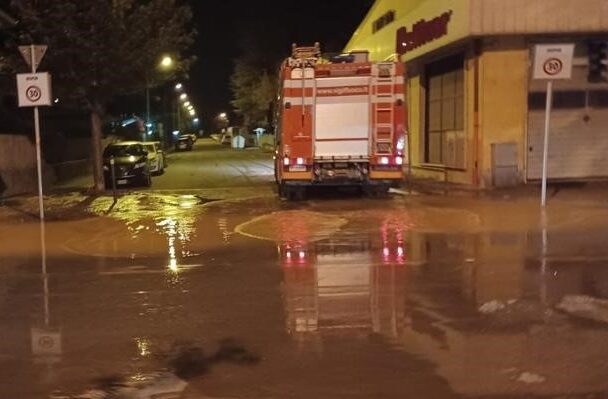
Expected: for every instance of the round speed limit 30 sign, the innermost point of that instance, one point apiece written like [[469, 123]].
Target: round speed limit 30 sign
[[553, 61], [553, 66], [34, 89], [33, 93]]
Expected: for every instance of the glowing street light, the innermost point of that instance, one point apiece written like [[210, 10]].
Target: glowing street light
[[187, 104], [166, 62], [195, 120], [183, 96], [179, 86], [223, 115], [192, 113]]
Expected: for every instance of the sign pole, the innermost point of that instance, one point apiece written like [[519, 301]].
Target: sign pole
[[37, 131], [543, 200]]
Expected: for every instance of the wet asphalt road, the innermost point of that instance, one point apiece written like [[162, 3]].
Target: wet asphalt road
[[246, 296], [210, 165]]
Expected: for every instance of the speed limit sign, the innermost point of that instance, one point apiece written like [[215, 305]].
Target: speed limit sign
[[34, 89], [553, 61]]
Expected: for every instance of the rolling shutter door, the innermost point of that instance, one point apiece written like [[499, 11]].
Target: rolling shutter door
[[578, 138]]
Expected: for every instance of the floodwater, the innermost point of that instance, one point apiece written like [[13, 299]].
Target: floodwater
[[195, 297]]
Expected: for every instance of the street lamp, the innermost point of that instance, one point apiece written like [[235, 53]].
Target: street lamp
[[166, 63], [178, 86], [183, 96], [187, 104], [223, 115], [192, 113]]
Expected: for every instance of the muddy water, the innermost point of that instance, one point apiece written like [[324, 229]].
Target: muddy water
[[415, 297]]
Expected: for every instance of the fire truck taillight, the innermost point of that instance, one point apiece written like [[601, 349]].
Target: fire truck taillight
[[286, 161], [401, 143], [300, 161], [399, 160], [384, 160]]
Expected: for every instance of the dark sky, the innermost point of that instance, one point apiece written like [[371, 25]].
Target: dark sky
[[222, 23]]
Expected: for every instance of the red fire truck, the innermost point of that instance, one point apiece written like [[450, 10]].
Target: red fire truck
[[340, 121]]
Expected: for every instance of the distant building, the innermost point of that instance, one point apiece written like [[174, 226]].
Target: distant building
[[475, 115]]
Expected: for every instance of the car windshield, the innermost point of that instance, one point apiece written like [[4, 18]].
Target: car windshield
[[149, 147], [123, 150]]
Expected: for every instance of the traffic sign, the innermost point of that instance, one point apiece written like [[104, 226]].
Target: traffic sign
[[553, 61], [34, 89], [38, 51]]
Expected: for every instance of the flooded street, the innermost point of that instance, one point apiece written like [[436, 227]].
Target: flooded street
[[253, 297]]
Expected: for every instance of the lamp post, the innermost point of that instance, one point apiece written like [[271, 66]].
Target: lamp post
[[165, 64], [178, 88]]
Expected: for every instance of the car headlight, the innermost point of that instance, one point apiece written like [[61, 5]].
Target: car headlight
[[139, 165]]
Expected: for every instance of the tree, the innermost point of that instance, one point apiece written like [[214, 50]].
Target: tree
[[254, 80], [100, 49], [253, 90]]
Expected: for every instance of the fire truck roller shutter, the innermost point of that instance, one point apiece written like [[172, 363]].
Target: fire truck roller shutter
[[342, 117]]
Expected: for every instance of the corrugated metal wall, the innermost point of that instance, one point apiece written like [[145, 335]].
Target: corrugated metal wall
[[538, 16]]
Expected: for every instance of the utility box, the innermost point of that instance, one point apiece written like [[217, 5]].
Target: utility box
[[504, 165]]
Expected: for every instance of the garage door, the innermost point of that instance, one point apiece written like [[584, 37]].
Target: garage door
[[578, 143]]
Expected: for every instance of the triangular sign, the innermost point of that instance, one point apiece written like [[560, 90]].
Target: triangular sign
[[26, 53], [39, 51]]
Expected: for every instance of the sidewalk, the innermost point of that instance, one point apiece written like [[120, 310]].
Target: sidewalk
[[593, 190]]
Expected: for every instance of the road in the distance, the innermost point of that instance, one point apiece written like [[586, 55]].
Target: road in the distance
[[212, 165]]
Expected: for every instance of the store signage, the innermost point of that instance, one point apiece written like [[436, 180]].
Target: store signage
[[423, 32]]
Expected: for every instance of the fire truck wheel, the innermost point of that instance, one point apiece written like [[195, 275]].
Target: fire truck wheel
[[299, 193], [283, 190], [380, 191], [383, 191], [292, 193]]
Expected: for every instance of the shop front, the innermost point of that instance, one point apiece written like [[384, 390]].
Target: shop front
[[475, 115]]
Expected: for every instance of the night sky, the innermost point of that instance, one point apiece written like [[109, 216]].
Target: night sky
[[222, 24]]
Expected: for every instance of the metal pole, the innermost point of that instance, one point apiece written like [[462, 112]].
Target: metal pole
[[543, 262], [40, 201], [543, 200], [179, 119], [45, 276], [147, 111], [39, 163], [37, 133], [113, 170]]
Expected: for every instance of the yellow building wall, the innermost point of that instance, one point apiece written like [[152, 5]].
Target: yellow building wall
[[496, 78], [503, 100]]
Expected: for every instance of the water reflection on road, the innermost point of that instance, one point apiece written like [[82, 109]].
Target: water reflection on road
[[338, 299], [478, 306]]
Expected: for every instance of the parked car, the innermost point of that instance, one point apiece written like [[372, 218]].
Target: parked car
[[156, 157], [130, 164], [183, 143], [193, 136]]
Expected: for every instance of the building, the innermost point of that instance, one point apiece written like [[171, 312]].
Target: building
[[476, 116]]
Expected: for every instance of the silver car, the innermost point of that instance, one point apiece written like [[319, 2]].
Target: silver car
[[156, 157]]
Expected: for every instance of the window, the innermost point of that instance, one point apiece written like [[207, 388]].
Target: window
[[444, 134]]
